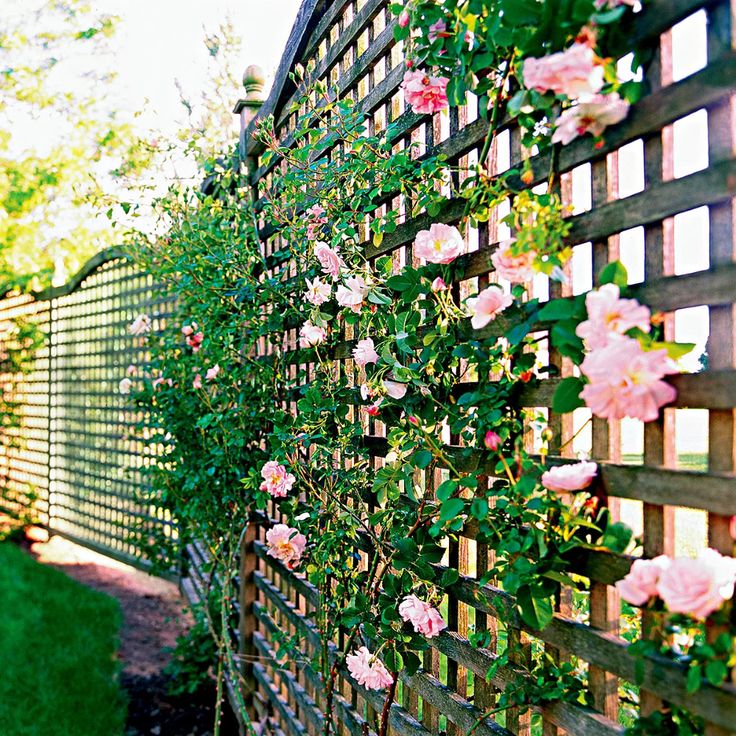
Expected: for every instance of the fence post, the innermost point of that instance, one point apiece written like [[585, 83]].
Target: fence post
[[247, 595], [253, 80]]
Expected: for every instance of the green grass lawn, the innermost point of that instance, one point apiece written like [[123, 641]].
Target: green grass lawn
[[58, 642]]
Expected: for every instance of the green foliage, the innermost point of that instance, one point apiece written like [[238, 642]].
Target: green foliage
[[192, 658]]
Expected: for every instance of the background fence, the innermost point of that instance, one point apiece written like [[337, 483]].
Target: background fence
[[651, 196], [74, 453]]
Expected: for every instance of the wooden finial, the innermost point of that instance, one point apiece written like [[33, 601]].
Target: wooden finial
[[254, 81]]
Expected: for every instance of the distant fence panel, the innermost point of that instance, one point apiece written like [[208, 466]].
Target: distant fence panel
[[79, 449], [639, 199]]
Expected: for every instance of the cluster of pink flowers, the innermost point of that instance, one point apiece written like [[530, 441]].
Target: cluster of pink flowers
[[425, 94], [160, 380], [567, 478], [141, 325], [311, 335], [425, 619], [286, 544], [368, 670], [365, 352], [352, 293], [194, 336], [514, 268], [276, 480], [440, 244], [315, 220], [488, 305], [329, 259], [696, 587], [624, 380]]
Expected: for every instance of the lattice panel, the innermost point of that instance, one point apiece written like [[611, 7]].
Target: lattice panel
[[648, 196]]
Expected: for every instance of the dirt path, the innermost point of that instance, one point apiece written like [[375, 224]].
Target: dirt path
[[153, 616]]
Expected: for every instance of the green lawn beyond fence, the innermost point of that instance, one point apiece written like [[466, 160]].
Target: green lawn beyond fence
[[58, 642]]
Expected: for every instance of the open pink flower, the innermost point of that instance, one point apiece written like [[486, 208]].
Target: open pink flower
[[365, 352], [195, 341], [424, 618], [131, 370], [488, 305], [395, 389], [212, 373], [276, 480], [590, 116], [286, 544], [640, 584], [125, 386], [329, 259], [311, 335], [423, 93], [352, 293], [610, 316], [197, 382], [574, 477], [440, 244], [368, 670], [318, 292], [511, 267], [572, 72], [626, 381], [141, 325], [697, 587]]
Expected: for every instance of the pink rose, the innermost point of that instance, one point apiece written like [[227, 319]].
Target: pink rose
[[195, 341], [492, 440], [351, 295], [626, 381], [440, 244], [437, 30], [286, 544], [641, 582], [187, 330], [276, 480], [403, 18], [395, 389], [368, 670], [438, 285], [572, 72], [318, 292], [140, 325], [511, 267], [197, 382], [329, 259], [590, 116], [610, 316], [488, 305], [125, 386], [212, 373], [131, 370], [424, 618], [697, 587], [365, 352], [574, 477], [311, 335], [423, 93]]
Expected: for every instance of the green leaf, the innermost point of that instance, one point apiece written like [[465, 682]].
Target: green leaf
[[567, 395], [446, 489], [557, 309], [451, 508], [479, 508], [694, 679], [422, 458], [617, 537], [535, 607], [615, 273], [716, 671]]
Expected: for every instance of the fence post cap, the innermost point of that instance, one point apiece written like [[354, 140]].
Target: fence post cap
[[254, 80]]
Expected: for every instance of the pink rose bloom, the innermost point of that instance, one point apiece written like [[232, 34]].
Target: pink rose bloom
[[131, 370], [610, 316], [641, 582], [572, 72], [140, 325], [125, 386], [438, 285], [318, 292], [276, 480], [395, 389], [365, 352], [574, 477], [351, 295], [403, 19], [197, 382], [423, 93], [440, 244], [513, 268], [286, 544], [697, 587], [424, 618], [311, 335], [212, 373], [626, 381], [436, 30], [329, 259], [368, 670], [488, 305], [590, 116], [492, 440], [195, 341], [188, 329]]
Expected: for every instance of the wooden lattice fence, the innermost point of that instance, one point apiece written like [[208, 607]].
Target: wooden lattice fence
[[634, 197]]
